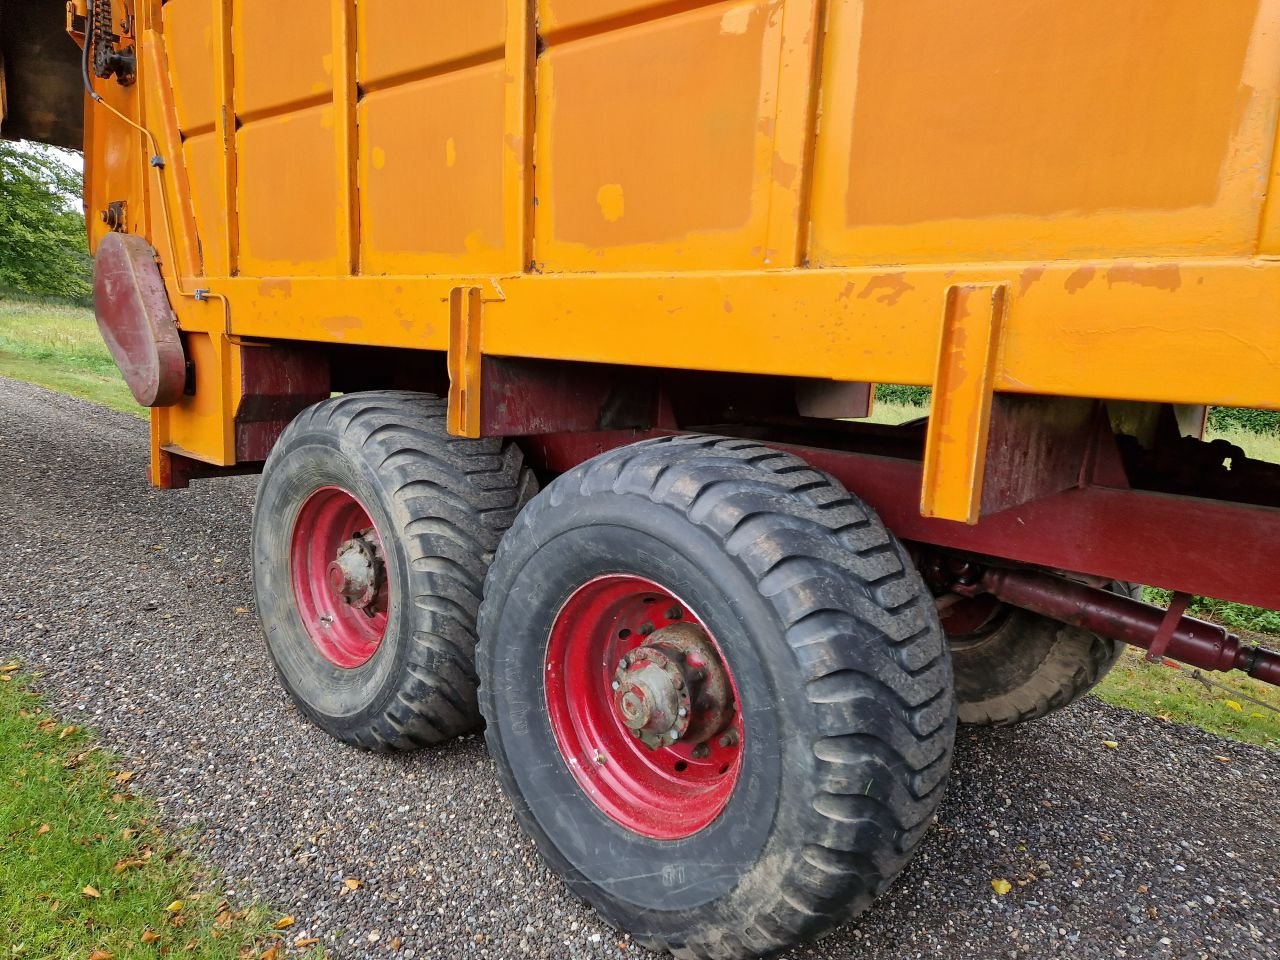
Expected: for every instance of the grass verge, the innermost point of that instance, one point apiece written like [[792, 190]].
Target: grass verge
[[85, 874], [1175, 694], [57, 346]]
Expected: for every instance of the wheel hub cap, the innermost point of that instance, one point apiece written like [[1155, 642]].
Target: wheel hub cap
[[358, 573], [643, 707], [673, 687]]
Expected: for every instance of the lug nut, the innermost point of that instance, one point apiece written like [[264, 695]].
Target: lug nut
[[675, 613], [701, 751], [616, 685], [730, 739]]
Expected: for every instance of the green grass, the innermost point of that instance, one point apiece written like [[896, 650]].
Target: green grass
[[84, 871], [58, 346], [1176, 695]]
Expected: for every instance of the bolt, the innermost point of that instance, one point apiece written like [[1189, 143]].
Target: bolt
[[601, 758], [616, 685], [683, 712], [675, 735], [730, 739], [646, 629], [701, 751], [675, 613]]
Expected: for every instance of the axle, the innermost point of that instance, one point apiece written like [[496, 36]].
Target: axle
[[1187, 639]]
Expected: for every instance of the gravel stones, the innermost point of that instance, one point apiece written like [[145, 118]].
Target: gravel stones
[[135, 607]]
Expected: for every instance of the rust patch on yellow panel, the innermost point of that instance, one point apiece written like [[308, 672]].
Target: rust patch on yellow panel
[[407, 38], [889, 286], [276, 287], [1058, 106], [1166, 276], [288, 195], [1028, 277], [1079, 278], [665, 114], [281, 57], [431, 155]]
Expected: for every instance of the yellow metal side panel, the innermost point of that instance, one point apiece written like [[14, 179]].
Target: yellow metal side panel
[[655, 142], [1045, 129], [189, 27], [283, 54], [955, 448], [431, 156], [559, 14], [203, 155], [288, 195], [404, 38]]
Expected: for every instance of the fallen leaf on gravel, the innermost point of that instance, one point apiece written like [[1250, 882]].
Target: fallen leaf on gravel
[[270, 953], [124, 776], [1110, 744], [242, 610], [1143, 888], [149, 937], [396, 943], [91, 892], [44, 828], [8, 668], [1001, 886], [351, 883], [1223, 759], [174, 907], [66, 732], [306, 942], [1234, 706], [283, 923]]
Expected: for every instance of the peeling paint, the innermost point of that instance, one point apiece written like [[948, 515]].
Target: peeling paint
[[892, 286], [1079, 279], [737, 20], [276, 287], [1167, 276], [1028, 277], [341, 324], [612, 202]]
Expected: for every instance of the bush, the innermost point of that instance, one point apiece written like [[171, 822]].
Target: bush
[[902, 395], [1240, 418]]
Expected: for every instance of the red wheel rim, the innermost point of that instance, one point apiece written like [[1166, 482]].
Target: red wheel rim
[[613, 630], [338, 570]]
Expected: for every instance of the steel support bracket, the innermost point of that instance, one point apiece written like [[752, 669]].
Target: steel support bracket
[[465, 308], [956, 444]]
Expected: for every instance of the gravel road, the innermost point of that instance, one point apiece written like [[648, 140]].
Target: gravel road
[[135, 606]]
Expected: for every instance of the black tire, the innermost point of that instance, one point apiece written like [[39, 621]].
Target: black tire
[[440, 505], [839, 658], [1020, 666]]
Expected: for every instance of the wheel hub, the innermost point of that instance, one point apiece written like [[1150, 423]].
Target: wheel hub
[[358, 573], [673, 687]]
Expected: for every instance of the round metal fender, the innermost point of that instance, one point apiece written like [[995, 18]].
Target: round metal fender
[[136, 321]]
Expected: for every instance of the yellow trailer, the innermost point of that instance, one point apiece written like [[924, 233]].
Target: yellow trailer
[[415, 260]]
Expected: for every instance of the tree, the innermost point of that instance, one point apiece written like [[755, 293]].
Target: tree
[[43, 247]]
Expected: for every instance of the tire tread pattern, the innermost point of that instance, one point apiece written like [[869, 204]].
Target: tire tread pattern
[[453, 500], [883, 714]]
